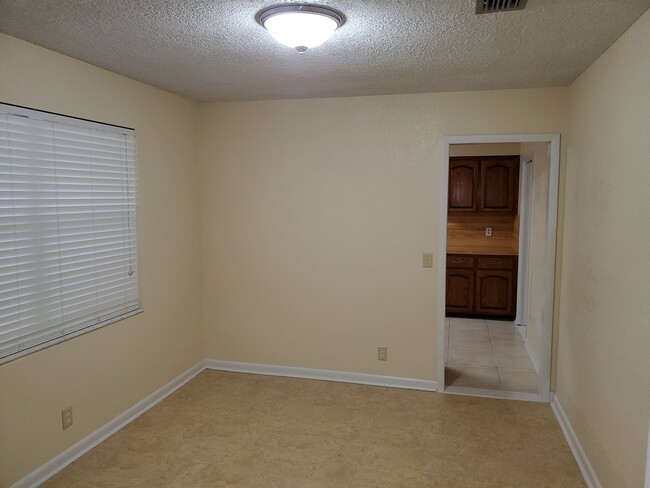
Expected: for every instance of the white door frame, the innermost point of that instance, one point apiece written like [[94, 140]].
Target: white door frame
[[525, 204], [551, 235]]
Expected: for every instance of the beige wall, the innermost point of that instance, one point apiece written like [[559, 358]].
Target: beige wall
[[102, 373], [493, 149], [603, 379], [315, 217]]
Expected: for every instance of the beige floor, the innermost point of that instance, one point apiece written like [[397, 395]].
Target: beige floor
[[238, 430], [487, 354]]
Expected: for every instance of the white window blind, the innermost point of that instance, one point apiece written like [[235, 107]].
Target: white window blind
[[67, 228]]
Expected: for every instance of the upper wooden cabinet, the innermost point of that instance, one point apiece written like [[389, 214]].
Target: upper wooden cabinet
[[499, 185], [484, 184], [463, 182]]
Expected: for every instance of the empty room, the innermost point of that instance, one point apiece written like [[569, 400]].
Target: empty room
[[341, 243]]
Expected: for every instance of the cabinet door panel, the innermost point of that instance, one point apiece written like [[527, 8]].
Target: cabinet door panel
[[463, 184], [499, 185], [460, 290], [495, 292]]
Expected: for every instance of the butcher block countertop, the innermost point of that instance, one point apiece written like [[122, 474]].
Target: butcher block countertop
[[466, 234]]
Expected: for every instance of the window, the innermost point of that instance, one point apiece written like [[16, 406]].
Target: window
[[67, 228]]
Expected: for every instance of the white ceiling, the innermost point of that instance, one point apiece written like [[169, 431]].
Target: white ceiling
[[211, 50]]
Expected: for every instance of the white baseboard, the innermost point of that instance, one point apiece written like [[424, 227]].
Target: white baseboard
[[56, 464], [322, 374], [581, 458]]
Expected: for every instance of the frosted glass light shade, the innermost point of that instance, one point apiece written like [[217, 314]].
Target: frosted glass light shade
[[300, 26]]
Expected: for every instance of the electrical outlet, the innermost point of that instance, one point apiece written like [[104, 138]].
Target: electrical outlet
[[427, 260], [488, 232], [382, 353], [66, 417]]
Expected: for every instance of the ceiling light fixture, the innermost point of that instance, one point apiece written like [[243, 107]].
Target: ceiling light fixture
[[300, 26]]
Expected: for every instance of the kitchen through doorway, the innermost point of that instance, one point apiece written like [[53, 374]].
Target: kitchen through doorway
[[496, 292]]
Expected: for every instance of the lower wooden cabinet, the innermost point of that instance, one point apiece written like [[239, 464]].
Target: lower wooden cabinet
[[460, 290], [494, 292], [482, 285]]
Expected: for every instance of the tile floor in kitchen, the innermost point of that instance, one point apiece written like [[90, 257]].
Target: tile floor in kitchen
[[488, 354]]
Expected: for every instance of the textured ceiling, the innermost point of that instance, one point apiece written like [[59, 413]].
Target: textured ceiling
[[212, 50]]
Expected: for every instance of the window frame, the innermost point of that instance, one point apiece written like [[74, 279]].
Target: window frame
[[22, 111]]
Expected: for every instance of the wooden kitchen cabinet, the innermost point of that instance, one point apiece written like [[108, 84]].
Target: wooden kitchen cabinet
[[495, 292], [463, 182], [484, 184], [460, 290], [499, 185], [481, 285]]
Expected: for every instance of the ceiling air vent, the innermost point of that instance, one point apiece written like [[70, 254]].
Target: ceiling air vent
[[489, 6]]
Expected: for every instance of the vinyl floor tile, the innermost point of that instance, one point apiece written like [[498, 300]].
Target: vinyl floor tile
[[471, 345], [245, 431], [518, 379], [509, 348], [514, 362], [460, 357]]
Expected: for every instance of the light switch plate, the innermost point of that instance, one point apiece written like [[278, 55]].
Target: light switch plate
[[427, 260], [66, 417]]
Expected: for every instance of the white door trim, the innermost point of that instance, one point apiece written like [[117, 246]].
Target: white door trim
[[647, 461], [547, 312], [525, 199]]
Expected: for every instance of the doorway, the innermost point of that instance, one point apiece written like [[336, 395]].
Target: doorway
[[536, 268]]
